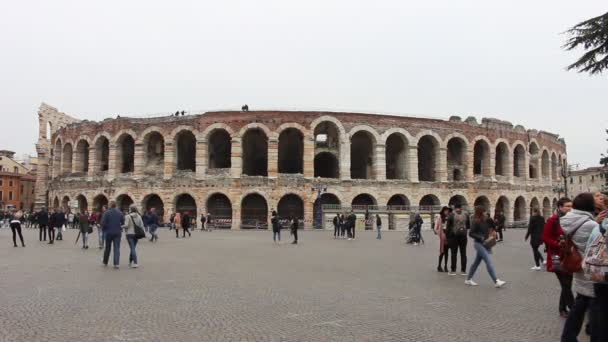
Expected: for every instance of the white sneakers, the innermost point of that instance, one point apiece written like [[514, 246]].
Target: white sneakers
[[470, 282], [499, 283], [544, 262], [535, 268], [452, 273]]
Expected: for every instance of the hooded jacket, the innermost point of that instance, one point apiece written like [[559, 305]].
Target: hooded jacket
[[585, 224]]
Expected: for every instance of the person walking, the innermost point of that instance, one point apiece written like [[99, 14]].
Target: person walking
[[43, 222], [579, 223], [203, 220], [535, 231], [60, 221], [186, 221], [276, 228], [294, 230], [336, 223], [481, 233], [130, 222], [177, 223], [418, 222], [439, 229], [209, 222], [52, 225], [85, 228], [16, 228], [457, 226], [111, 224], [378, 226], [172, 221], [153, 225], [350, 228], [499, 221], [551, 237], [342, 224]]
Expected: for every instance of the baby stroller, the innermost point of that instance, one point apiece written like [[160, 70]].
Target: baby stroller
[[414, 237]]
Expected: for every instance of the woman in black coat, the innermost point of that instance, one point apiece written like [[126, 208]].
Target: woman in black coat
[[535, 232]]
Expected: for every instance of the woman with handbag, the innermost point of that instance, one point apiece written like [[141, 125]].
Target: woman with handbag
[[133, 224], [484, 239], [85, 228], [578, 225]]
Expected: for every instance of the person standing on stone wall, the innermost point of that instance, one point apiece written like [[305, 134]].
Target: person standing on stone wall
[[186, 221], [43, 221], [177, 223], [111, 224]]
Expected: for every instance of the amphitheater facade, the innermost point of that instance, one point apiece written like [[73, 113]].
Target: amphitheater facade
[[239, 165]]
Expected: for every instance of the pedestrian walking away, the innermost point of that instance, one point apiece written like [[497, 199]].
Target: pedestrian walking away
[[85, 228], [16, 228], [499, 221], [177, 223], [276, 227], [535, 231], [111, 224], [294, 230], [439, 229], [378, 226], [43, 221], [132, 222], [457, 227], [186, 221], [336, 223], [203, 220], [153, 225], [484, 239]]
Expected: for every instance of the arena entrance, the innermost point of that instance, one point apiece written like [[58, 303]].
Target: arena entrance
[[220, 208]]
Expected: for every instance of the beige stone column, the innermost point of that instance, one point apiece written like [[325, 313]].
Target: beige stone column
[[492, 165], [469, 174], [308, 212], [441, 173], [236, 216], [236, 159], [112, 162], [138, 161], [509, 167], [170, 160], [309, 157], [380, 162], [412, 164], [92, 162], [201, 158], [76, 160], [345, 160], [273, 157]]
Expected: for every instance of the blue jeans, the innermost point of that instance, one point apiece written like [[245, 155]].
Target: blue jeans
[[84, 238], [379, 234], [276, 235], [154, 235], [101, 236], [132, 245], [482, 254], [112, 241]]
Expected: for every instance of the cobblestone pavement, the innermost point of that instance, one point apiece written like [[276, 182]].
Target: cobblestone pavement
[[238, 286]]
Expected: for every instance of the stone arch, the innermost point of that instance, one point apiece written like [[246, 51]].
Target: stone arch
[[534, 204], [254, 211], [428, 201], [326, 165], [185, 203], [184, 141], [326, 198], [458, 200], [125, 152], [56, 203], [219, 207], [82, 202], [65, 203], [153, 200], [545, 164], [255, 151], [519, 161], [101, 153], [363, 201], [502, 205], [57, 150], [397, 155], [81, 155], [456, 147], [482, 201], [502, 158], [546, 207], [328, 136], [291, 150], [482, 157], [362, 154], [66, 160], [398, 200], [99, 202], [123, 202], [153, 143], [428, 158], [326, 118], [291, 205], [49, 131], [534, 158], [219, 153], [519, 209]]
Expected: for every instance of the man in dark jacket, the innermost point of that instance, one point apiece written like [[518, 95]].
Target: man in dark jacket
[[535, 231], [111, 224], [352, 220], [52, 224], [457, 227], [499, 221], [43, 221], [59, 222], [336, 223]]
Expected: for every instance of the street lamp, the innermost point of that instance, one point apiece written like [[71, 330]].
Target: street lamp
[[320, 189], [565, 174]]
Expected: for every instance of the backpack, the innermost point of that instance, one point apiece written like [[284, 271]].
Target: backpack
[[459, 228], [595, 263]]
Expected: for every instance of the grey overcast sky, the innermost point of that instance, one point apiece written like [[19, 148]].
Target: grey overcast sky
[[95, 59]]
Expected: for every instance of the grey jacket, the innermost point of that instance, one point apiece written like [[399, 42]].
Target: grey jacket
[[129, 220], [570, 222]]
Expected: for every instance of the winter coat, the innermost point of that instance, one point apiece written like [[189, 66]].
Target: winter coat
[[83, 223], [551, 233], [130, 220], [535, 230]]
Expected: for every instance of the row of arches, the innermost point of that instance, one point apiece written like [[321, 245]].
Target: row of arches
[[393, 155]]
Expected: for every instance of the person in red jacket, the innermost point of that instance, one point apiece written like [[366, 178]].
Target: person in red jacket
[[551, 233]]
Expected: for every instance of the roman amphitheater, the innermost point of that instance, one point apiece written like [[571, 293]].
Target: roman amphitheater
[[240, 165]]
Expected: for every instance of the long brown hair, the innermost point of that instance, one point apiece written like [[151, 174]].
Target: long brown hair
[[479, 214]]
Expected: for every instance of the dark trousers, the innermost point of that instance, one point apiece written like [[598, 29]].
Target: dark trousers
[[349, 233], [51, 234], [336, 230], [342, 230], [17, 230], [575, 319], [294, 232], [352, 228], [59, 234], [459, 242], [112, 242], [499, 231], [599, 312], [185, 230], [538, 258], [42, 231], [444, 256], [566, 298]]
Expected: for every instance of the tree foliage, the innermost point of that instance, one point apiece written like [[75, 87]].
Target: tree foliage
[[592, 35]]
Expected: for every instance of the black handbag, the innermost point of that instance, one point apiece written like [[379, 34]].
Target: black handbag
[[139, 231]]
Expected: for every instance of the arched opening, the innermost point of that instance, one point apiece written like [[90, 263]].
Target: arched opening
[[125, 154], [83, 204], [185, 203], [255, 153], [220, 149], [123, 202], [154, 153], [545, 165], [484, 202], [220, 208], [398, 201], [554, 167], [502, 159], [457, 150], [546, 207], [65, 204], [481, 159], [502, 205], [429, 201], [534, 159], [327, 140], [291, 151], [49, 130], [519, 210], [363, 201], [362, 146], [57, 158], [82, 157], [254, 212], [326, 165], [396, 156], [66, 167], [185, 142], [154, 201], [102, 154], [290, 206], [428, 149], [535, 204], [458, 200], [325, 199], [99, 202], [56, 203], [519, 162]]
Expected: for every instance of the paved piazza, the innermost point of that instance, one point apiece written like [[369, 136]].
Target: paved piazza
[[237, 286]]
